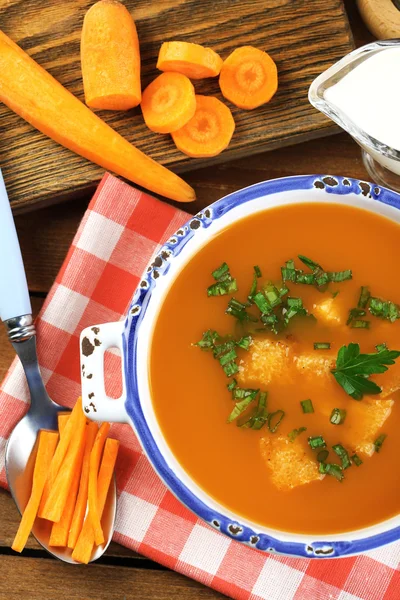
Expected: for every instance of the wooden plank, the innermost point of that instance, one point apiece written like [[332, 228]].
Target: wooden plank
[[45, 235], [303, 37], [39, 578]]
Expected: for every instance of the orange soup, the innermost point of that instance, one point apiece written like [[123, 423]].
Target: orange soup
[[319, 453]]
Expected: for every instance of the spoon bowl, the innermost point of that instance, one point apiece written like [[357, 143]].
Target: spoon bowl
[[15, 312]]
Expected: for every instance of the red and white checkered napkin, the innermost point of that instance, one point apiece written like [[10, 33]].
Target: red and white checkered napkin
[[120, 231]]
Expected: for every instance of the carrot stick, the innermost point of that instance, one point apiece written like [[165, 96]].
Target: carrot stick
[[60, 530], [61, 487], [36, 96], [192, 60], [94, 464], [62, 421], [248, 77], [84, 547], [168, 103], [210, 130], [110, 57], [69, 430], [81, 501], [46, 447]]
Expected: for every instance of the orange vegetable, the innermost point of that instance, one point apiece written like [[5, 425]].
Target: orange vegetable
[[62, 421], [45, 451], [36, 96], [168, 103], [192, 60], [84, 547], [210, 130], [69, 430], [248, 77], [69, 469], [60, 530], [110, 57], [81, 501], [94, 464]]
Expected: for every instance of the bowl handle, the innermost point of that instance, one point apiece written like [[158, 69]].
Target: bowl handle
[[94, 341]]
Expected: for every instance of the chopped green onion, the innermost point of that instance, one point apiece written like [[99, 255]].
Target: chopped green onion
[[271, 321], [381, 347], [356, 460], [240, 393], [338, 416], [227, 358], [224, 347], [239, 408], [307, 406], [244, 342], [360, 324], [260, 415], [262, 303], [307, 278], [208, 340], [288, 271], [334, 294], [222, 288], [253, 289], [322, 455], [295, 432], [339, 276], [294, 307], [231, 386], [332, 469], [257, 271], [277, 417], [379, 441], [309, 263], [238, 310], [384, 309], [283, 291], [354, 313], [322, 345], [364, 297], [231, 369], [272, 295], [317, 442], [221, 272], [343, 455], [322, 279]]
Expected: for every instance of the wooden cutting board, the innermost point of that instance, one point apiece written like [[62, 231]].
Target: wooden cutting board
[[304, 37]]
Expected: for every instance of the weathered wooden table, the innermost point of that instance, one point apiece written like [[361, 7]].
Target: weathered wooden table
[[45, 237]]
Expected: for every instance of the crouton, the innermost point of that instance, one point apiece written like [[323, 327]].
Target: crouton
[[289, 462], [315, 365], [266, 360], [364, 420], [327, 311]]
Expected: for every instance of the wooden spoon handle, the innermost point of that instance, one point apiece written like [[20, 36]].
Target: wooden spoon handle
[[382, 17]]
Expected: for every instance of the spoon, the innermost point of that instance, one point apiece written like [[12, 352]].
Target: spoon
[[16, 313]]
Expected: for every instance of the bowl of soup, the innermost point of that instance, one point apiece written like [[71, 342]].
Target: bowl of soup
[[261, 366]]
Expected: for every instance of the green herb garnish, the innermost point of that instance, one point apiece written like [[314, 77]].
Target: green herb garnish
[[209, 339], [379, 441], [322, 345], [381, 347], [295, 432], [274, 420], [260, 415], [307, 406], [231, 386], [332, 469], [240, 407], [338, 416], [339, 276], [224, 285], [322, 455], [353, 369], [356, 460], [384, 309], [253, 289], [244, 342], [317, 442], [238, 310], [343, 455], [364, 297], [294, 307], [359, 324]]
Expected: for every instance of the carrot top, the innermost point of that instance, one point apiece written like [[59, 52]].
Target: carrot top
[[248, 77], [192, 60]]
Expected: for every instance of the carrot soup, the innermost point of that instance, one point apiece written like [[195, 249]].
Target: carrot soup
[[275, 368]]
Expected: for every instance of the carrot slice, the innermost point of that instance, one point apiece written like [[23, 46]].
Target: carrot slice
[[37, 97], [69, 430], [45, 451], [94, 464], [168, 103], [58, 494], [248, 77], [60, 530], [81, 501], [84, 547], [110, 57], [62, 421], [192, 60], [210, 130]]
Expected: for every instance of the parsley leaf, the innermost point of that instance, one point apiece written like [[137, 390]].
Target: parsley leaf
[[353, 369]]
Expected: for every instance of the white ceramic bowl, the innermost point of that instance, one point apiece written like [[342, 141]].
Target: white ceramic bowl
[[133, 337]]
